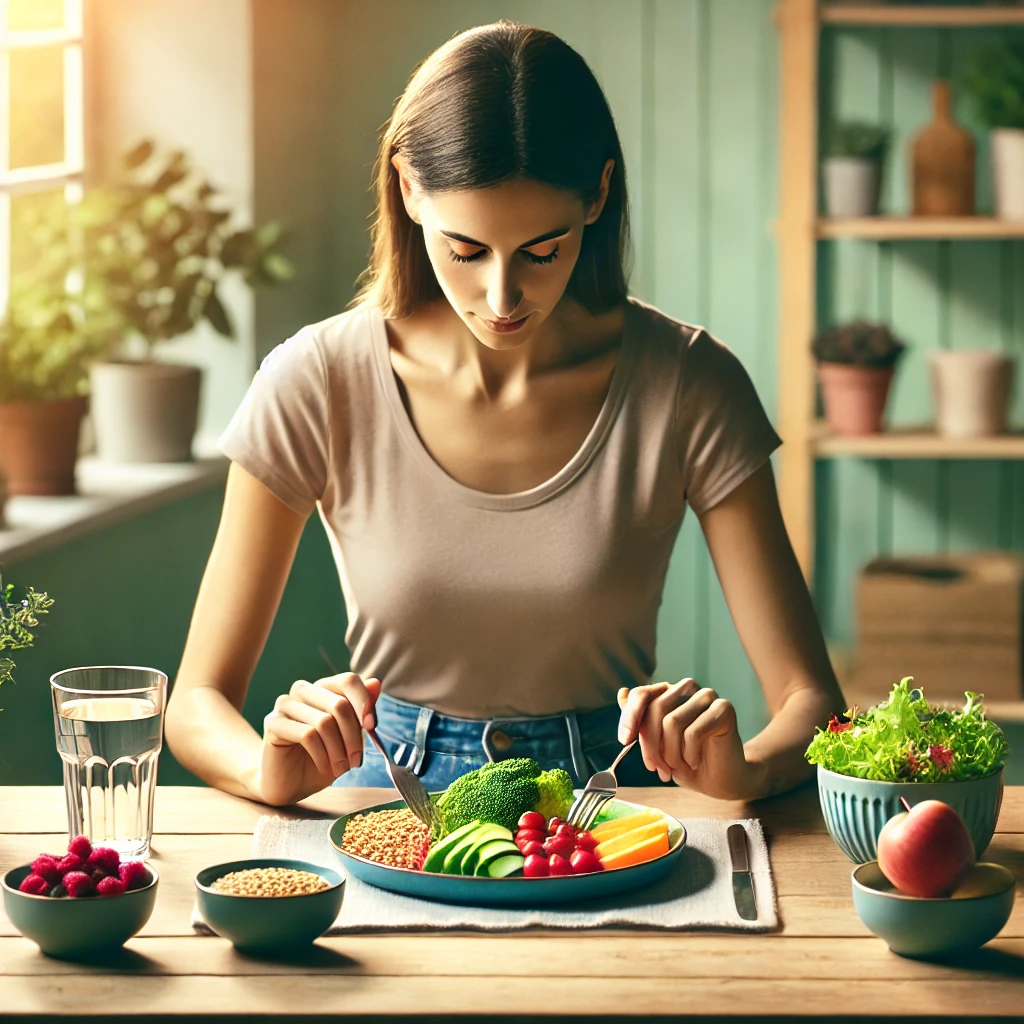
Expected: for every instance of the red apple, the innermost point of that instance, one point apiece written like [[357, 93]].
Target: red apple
[[926, 850]]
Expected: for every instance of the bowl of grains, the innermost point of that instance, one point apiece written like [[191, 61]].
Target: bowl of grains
[[269, 902]]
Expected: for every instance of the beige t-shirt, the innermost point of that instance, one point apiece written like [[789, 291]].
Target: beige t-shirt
[[484, 605]]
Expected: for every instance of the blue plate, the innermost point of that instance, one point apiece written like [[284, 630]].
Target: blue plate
[[512, 892]]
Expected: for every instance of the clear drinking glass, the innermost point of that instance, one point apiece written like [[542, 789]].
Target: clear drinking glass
[[109, 725]]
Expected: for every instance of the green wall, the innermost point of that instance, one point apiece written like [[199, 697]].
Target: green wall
[[693, 86]]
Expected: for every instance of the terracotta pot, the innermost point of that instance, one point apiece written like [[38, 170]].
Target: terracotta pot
[[971, 391], [3, 499], [144, 412], [39, 444], [854, 396]]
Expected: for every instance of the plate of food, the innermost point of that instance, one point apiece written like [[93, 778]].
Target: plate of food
[[502, 842]]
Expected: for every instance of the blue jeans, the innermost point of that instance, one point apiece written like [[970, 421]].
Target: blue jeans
[[440, 748]]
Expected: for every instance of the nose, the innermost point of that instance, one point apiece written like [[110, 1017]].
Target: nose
[[503, 296]]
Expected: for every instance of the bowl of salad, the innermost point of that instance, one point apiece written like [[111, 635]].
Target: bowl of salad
[[906, 747]]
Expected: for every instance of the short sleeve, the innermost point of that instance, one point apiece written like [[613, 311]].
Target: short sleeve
[[724, 431], [279, 433]]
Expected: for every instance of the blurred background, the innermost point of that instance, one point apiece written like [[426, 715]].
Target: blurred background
[[767, 155]]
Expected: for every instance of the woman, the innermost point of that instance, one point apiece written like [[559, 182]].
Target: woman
[[501, 444]]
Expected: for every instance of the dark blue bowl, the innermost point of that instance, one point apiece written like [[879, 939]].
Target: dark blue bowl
[[512, 892]]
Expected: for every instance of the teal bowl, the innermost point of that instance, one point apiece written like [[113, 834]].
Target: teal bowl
[[69, 928], [921, 928], [856, 809], [269, 922], [512, 892]]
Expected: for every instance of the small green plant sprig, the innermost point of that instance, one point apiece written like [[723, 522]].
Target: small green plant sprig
[[17, 620], [856, 139], [906, 739], [858, 343], [993, 77]]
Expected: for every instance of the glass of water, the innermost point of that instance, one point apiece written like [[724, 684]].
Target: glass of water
[[109, 725]]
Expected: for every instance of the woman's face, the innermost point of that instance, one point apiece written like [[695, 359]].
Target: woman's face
[[503, 253]]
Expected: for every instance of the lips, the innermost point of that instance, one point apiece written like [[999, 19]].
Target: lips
[[505, 326]]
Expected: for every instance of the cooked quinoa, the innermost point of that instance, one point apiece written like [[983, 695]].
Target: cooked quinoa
[[395, 838], [269, 882]]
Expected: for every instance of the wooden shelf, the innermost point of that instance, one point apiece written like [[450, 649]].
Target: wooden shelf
[[920, 17], [907, 228], [917, 442]]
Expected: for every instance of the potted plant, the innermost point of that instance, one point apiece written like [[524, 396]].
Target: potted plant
[[856, 363], [971, 391], [994, 79], [17, 620], [852, 168], [156, 243], [906, 748], [48, 337]]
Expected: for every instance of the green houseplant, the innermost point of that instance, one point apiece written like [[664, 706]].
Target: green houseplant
[[852, 171], [994, 79], [856, 362], [154, 245], [18, 617]]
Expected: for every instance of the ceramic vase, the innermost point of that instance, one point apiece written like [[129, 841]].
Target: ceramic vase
[[942, 163], [854, 396], [852, 186], [144, 411], [1007, 152], [971, 391]]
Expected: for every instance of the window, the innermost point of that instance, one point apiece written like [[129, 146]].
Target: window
[[42, 115]]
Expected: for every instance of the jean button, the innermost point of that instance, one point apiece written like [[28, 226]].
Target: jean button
[[501, 740]]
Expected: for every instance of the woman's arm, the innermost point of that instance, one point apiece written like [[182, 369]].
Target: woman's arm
[[313, 734], [777, 625]]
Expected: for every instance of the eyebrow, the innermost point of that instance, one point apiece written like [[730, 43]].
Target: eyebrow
[[533, 241]]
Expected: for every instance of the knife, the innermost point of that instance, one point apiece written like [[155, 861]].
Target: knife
[[742, 883]]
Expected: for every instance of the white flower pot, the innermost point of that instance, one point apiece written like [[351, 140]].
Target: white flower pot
[[851, 186], [1007, 150], [144, 412], [971, 392]]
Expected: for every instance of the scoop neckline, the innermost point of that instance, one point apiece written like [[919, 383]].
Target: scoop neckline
[[576, 465]]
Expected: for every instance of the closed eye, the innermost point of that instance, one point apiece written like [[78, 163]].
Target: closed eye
[[532, 257]]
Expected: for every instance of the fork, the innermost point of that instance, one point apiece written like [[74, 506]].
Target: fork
[[601, 787], [409, 787]]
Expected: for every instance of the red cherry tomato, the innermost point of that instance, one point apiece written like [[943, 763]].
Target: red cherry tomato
[[530, 835], [585, 841], [536, 867], [583, 861], [566, 830], [558, 865], [533, 819], [553, 825], [533, 849], [558, 845]]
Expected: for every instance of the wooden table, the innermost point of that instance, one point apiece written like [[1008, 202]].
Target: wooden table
[[822, 964]]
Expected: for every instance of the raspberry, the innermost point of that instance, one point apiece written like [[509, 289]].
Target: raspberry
[[34, 884], [72, 862], [104, 859], [58, 892], [80, 846], [78, 884], [45, 866], [134, 874], [110, 886]]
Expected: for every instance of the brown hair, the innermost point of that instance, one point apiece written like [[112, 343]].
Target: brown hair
[[494, 103]]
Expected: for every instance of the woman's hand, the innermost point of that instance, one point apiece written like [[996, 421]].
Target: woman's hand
[[313, 735], [690, 735]]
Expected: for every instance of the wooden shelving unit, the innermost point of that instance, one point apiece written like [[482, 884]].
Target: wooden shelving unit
[[799, 230]]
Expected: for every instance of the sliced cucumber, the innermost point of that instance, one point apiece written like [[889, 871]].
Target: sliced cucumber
[[491, 849], [505, 865], [435, 858], [482, 836]]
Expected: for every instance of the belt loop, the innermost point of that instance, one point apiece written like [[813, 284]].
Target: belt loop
[[423, 721], [485, 739], [579, 761]]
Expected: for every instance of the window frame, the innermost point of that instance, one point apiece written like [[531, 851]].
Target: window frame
[[71, 170]]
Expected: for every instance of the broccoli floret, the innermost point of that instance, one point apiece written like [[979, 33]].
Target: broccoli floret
[[556, 794], [498, 792]]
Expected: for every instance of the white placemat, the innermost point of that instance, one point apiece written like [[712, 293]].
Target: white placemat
[[696, 895]]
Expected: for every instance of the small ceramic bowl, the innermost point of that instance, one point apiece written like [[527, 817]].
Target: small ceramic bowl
[[72, 928], [269, 922], [916, 927]]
